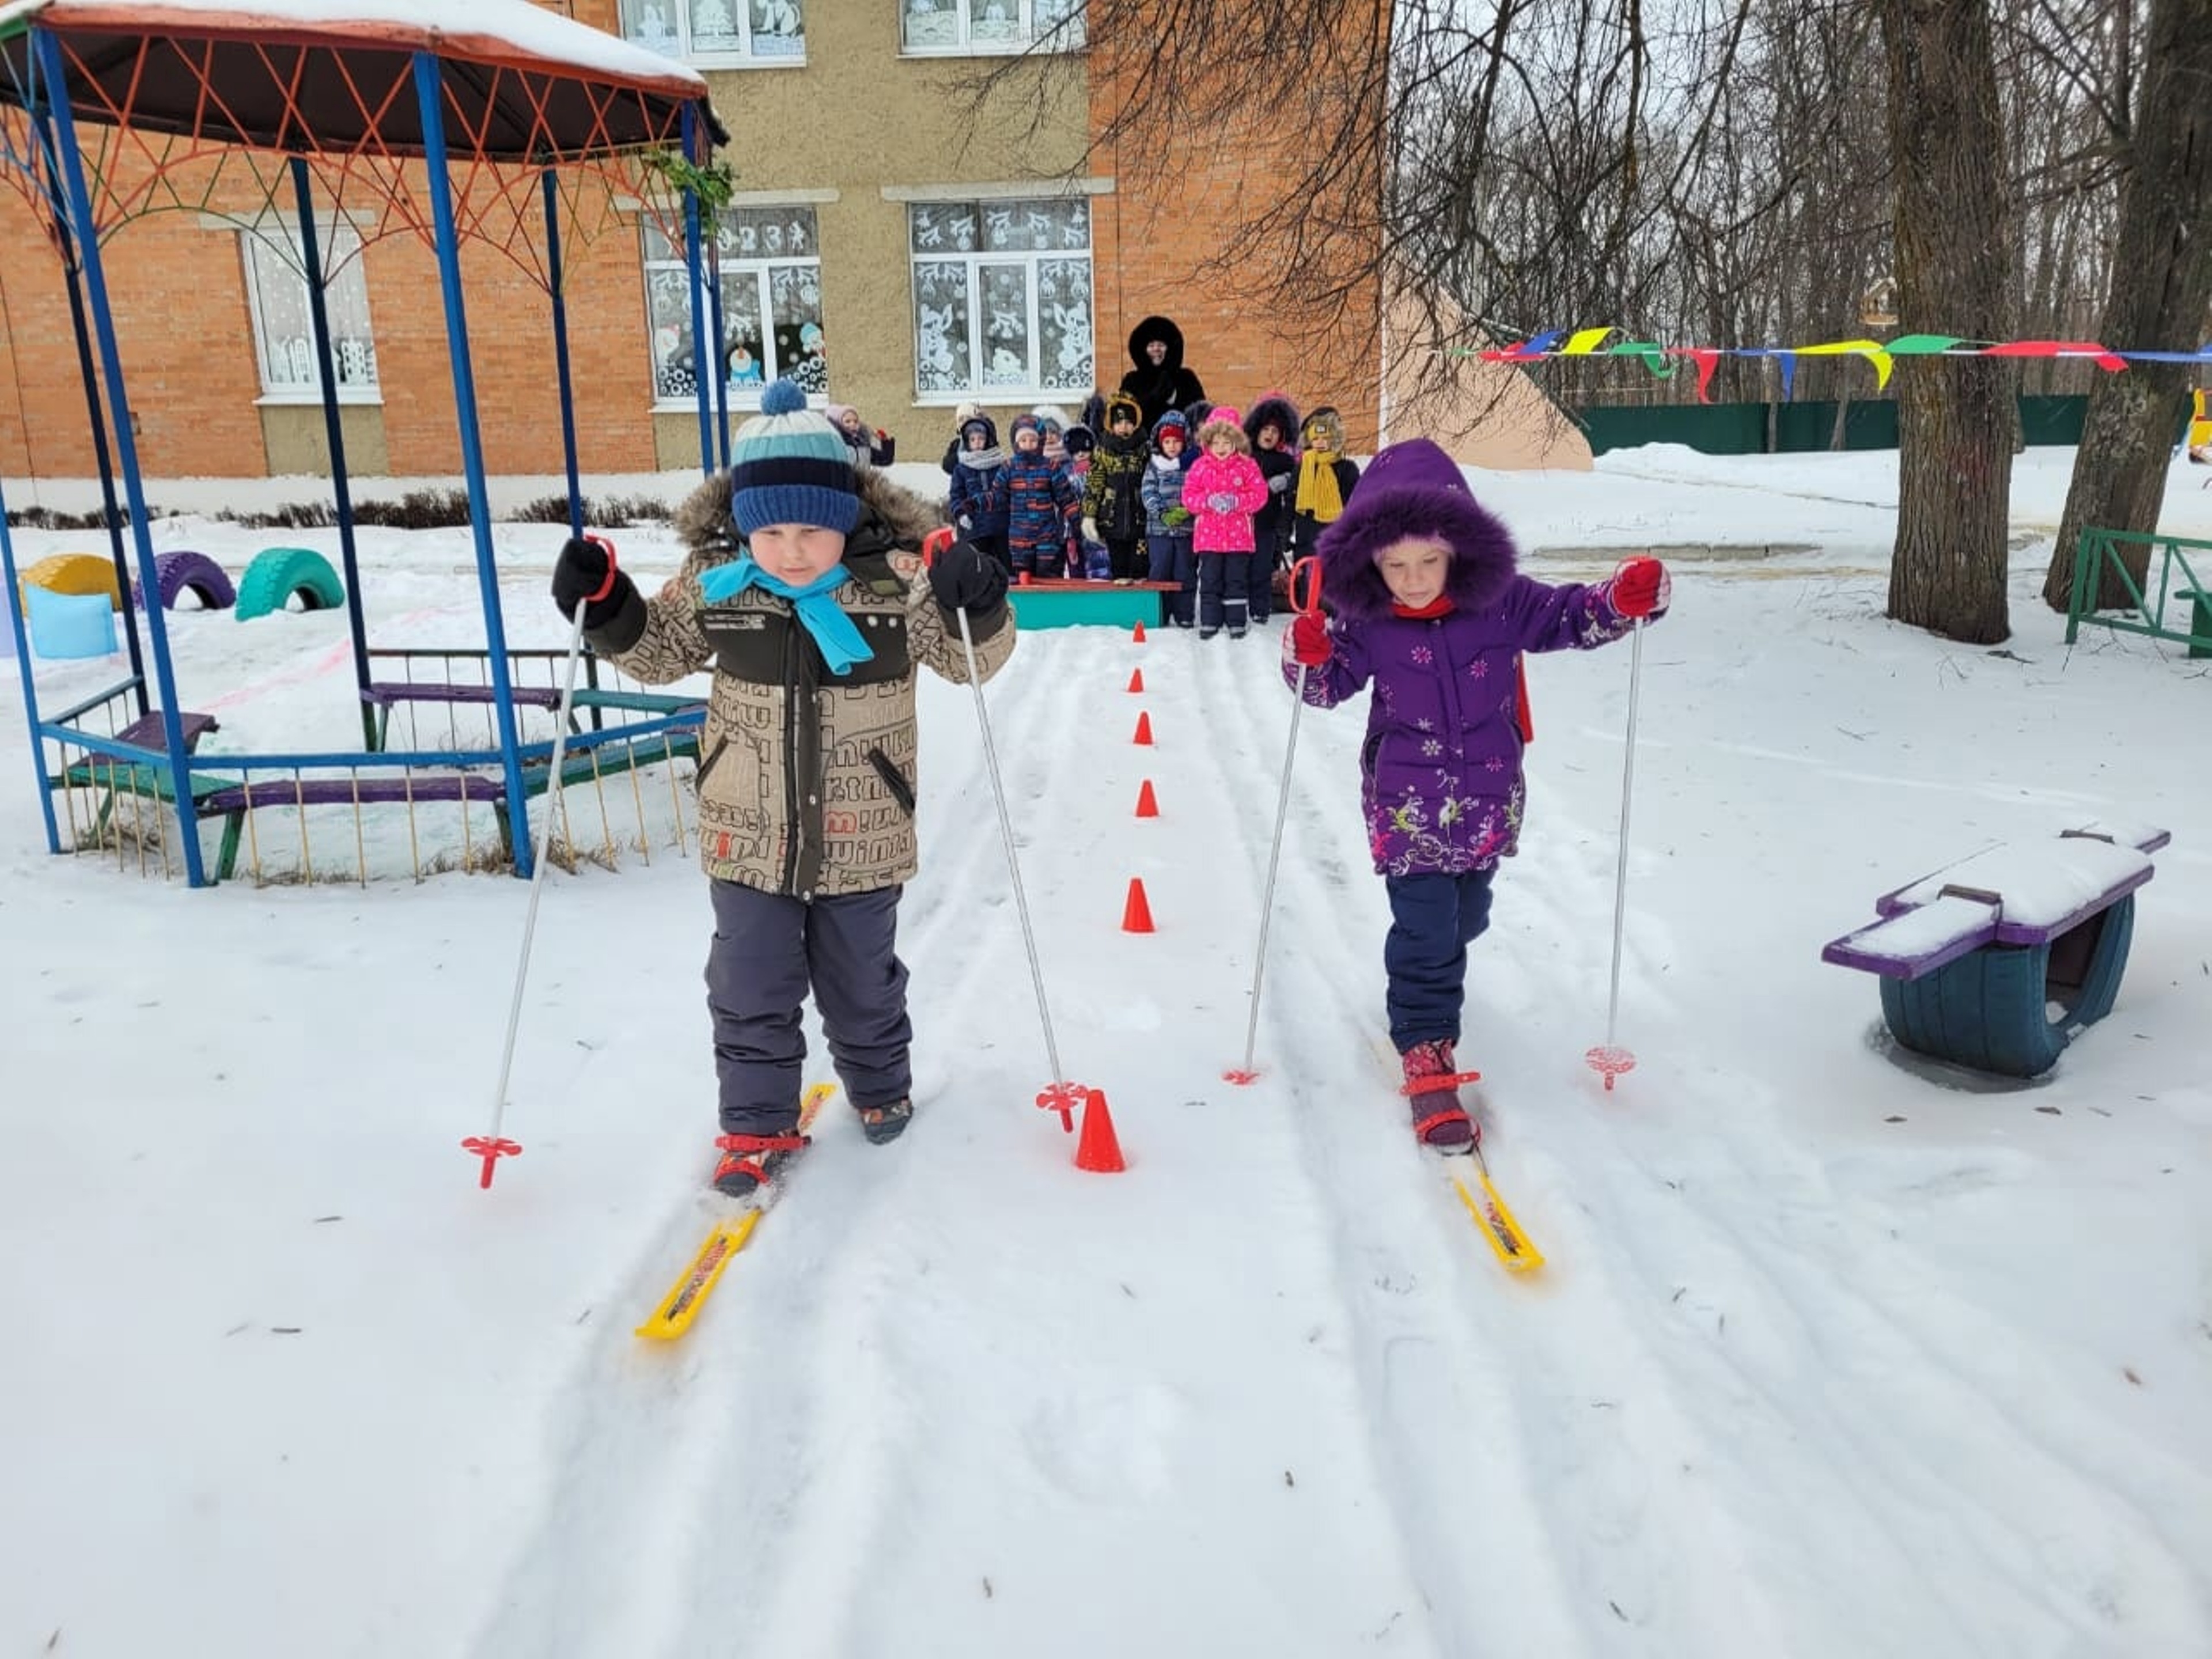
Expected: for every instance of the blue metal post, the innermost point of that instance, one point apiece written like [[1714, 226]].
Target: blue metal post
[[429, 93], [334, 432], [15, 622], [695, 151], [91, 376], [86, 232], [561, 352], [722, 376]]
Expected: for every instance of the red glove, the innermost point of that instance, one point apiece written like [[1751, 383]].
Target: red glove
[[1309, 641], [1640, 586]]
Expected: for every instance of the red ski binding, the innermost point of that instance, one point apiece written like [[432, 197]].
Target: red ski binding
[[1429, 1085]]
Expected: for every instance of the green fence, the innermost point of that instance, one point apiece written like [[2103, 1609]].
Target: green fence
[[2176, 585], [1741, 428]]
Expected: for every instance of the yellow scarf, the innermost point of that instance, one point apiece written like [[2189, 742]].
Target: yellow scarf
[[1319, 498]]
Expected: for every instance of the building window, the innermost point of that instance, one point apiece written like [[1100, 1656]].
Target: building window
[[726, 33], [283, 327], [985, 26], [1001, 296], [771, 272]]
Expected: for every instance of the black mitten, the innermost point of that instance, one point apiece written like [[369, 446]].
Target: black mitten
[[585, 573], [963, 577]]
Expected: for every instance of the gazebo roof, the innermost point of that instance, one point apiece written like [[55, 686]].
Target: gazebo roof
[[336, 75]]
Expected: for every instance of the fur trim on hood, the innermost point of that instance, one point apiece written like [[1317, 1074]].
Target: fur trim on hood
[[891, 517], [1414, 488], [1273, 409], [1156, 328], [1328, 426], [1122, 403]]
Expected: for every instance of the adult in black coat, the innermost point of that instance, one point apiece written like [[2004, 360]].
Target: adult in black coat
[[1158, 380]]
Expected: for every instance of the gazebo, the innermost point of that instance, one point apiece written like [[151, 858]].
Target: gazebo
[[493, 123]]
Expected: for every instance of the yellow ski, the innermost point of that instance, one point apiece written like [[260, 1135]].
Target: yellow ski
[[1512, 1247], [674, 1313]]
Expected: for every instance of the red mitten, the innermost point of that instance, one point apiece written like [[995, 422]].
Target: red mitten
[[1640, 586], [1309, 641]]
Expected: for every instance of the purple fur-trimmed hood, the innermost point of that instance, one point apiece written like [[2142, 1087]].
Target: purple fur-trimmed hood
[[1414, 488]]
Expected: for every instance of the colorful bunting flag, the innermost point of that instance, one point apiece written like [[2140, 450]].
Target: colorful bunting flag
[[1881, 354]]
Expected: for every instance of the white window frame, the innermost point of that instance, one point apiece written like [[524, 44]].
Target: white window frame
[[975, 261], [745, 57], [338, 248], [735, 269], [1025, 33]]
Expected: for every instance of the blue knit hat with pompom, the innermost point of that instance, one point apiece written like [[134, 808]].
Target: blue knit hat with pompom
[[789, 465]]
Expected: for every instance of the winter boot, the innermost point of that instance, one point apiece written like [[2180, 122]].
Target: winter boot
[[886, 1123], [752, 1162], [1432, 1084]]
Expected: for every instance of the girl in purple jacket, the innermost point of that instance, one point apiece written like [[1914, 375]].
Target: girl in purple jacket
[[1431, 609]]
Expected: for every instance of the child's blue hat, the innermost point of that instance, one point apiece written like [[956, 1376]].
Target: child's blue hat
[[789, 465]]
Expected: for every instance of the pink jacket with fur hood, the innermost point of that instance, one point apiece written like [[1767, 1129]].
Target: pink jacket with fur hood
[[1236, 477]]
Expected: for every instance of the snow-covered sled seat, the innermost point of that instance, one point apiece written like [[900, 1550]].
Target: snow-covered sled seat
[[2009, 894], [1997, 961]]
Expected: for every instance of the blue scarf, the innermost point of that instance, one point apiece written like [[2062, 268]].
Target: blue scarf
[[835, 635]]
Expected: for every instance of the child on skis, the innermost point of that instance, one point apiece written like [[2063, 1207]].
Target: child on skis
[[1223, 489], [801, 592], [1430, 608], [1167, 520], [1113, 496]]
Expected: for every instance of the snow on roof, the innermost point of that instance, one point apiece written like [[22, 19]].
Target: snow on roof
[[504, 30], [380, 34]]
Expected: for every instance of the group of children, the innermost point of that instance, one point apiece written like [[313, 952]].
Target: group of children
[[1216, 501]]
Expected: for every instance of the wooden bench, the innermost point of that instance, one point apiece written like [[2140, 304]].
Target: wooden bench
[[113, 777], [1071, 602], [1997, 962], [382, 695]]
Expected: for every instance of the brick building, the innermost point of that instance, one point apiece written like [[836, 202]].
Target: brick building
[[895, 243]]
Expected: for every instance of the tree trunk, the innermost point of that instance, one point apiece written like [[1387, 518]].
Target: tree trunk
[[2161, 285], [1947, 573]]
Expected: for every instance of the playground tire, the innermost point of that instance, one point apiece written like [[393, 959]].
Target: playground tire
[[277, 574], [75, 573], [182, 571]]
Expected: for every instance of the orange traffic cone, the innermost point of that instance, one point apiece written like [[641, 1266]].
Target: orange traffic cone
[[1136, 679], [1137, 913], [1099, 1150], [1137, 635], [1148, 806], [1143, 727]]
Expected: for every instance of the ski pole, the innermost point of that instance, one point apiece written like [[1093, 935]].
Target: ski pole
[[1610, 1058], [933, 545], [493, 1147], [1309, 606]]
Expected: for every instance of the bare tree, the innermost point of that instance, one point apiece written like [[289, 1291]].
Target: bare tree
[[1722, 171], [1956, 416], [2161, 287]]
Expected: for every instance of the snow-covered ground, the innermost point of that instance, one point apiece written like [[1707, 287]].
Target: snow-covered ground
[[1834, 1355]]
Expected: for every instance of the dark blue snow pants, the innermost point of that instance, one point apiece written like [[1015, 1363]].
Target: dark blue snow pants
[[1433, 918], [768, 949]]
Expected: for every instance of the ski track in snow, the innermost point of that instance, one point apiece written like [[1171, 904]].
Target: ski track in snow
[[2075, 1557], [1626, 1454]]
